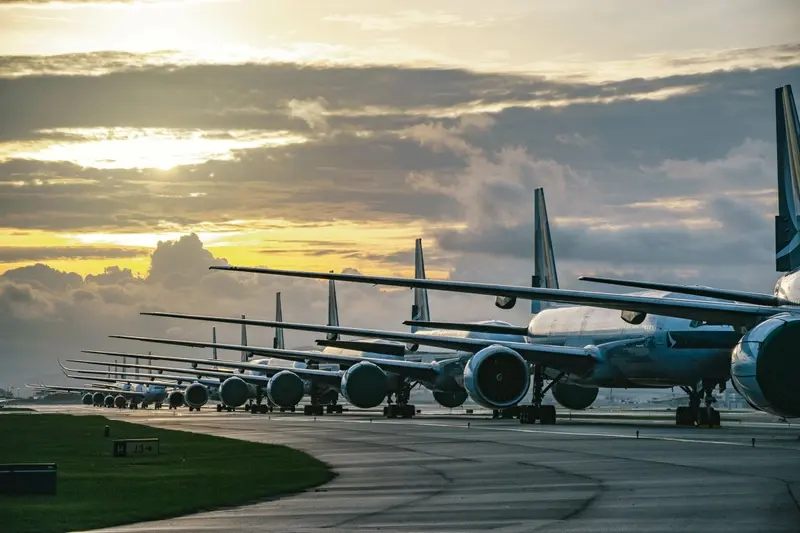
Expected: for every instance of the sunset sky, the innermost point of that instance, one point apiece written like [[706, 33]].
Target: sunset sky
[[330, 134]]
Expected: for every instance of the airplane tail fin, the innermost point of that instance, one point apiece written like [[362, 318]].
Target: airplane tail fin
[[245, 354], [214, 340], [787, 223], [544, 273], [277, 341], [420, 309], [333, 310]]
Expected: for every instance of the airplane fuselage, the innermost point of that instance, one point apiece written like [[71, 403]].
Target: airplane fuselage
[[673, 351]]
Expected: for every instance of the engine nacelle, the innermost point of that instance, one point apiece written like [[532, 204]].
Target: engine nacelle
[[497, 377], [505, 302], [365, 385], [196, 395], [450, 400], [285, 389], [98, 398], [765, 366], [573, 396], [175, 399], [234, 392], [108, 401], [87, 399], [120, 402]]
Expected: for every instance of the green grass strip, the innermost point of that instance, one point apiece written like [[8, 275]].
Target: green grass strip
[[193, 473]]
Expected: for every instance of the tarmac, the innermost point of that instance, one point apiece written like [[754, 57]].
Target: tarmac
[[442, 472]]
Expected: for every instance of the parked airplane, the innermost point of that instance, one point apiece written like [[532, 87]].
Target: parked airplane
[[139, 391], [760, 355], [445, 377], [570, 388]]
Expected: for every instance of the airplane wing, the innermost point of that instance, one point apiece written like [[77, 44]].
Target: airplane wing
[[312, 374], [79, 390], [396, 350], [754, 298], [496, 329], [112, 390], [419, 370], [716, 312], [568, 359]]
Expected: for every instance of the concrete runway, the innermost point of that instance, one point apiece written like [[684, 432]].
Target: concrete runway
[[441, 473]]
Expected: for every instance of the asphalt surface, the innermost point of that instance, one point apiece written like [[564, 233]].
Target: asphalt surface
[[446, 473]]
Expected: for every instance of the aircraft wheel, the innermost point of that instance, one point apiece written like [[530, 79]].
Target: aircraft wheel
[[547, 414]]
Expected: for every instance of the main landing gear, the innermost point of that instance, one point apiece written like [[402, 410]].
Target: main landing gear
[[228, 408], [257, 408], [694, 414], [402, 408], [545, 414]]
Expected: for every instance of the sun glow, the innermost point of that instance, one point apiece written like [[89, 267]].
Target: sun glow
[[139, 148]]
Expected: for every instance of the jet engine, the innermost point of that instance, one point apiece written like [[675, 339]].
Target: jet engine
[[108, 401], [497, 377], [120, 402], [765, 366], [195, 395], [87, 399], [175, 399], [234, 392], [98, 398], [573, 396], [365, 385], [285, 389], [450, 399]]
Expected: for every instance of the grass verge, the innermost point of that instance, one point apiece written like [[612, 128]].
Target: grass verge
[[193, 472]]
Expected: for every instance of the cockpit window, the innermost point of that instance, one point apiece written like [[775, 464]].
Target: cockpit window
[[697, 323]]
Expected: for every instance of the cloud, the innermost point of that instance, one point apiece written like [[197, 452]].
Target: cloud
[[17, 254], [404, 20], [311, 111], [46, 314]]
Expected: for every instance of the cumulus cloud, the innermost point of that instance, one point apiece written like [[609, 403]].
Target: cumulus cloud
[[47, 314]]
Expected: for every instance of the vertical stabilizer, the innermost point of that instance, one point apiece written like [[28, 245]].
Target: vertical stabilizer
[[544, 270], [333, 310], [420, 309], [245, 354], [787, 223], [124, 365], [277, 340], [214, 340], [150, 363]]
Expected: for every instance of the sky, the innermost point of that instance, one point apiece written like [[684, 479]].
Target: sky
[[143, 140]]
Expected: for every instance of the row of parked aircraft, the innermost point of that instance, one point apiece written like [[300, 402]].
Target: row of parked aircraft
[[670, 335]]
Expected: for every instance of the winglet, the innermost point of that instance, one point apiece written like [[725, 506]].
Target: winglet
[[787, 223], [277, 340], [245, 354], [420, 309], [333, 309], [214, 340], [544, 273]]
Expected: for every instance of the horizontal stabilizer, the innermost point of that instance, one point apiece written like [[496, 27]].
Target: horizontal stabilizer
[[397, 350], [497, 329], [755, 298]]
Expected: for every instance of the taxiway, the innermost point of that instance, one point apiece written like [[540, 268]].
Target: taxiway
[[443, 473]]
